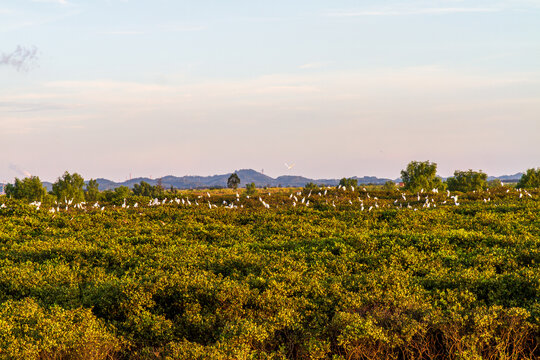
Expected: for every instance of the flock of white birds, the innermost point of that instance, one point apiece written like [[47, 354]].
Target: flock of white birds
[[356, 197]]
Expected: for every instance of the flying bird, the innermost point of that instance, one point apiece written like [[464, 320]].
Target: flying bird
[[289, 167]]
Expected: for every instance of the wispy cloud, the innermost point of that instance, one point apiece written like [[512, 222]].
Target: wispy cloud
[[22, 59], [16, 106], [107, 85], [182, 28], [157, 29], [414, 11], [32, 18], [169, 28], [60, 2], [123, 32], [312, 65]]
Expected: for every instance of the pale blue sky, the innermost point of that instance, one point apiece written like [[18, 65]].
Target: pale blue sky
[[340, 88]]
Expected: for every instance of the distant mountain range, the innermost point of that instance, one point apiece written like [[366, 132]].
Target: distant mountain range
[[507, 178], [249, 176]]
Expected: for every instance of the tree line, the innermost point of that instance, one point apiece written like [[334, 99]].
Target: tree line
[[72, 188], [418, 175], [423, 175]]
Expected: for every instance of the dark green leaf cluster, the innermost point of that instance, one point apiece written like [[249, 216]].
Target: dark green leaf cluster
[[389, 186], [69, 187], [348, 182], [421, 175], [29, 189], [311, 187], [233, 181], [92, 190], [145, 189], [466, 181], [251, 189], [531, 179]]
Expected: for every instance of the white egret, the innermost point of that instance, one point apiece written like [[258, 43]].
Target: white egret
[[289, 167]]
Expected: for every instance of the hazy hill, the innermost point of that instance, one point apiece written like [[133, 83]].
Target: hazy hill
[[248, 176], [507, 178]]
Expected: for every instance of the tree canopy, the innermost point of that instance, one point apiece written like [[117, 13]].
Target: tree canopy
[[348, 182], [29, 188], [233, 181], [145, 189], [92, 190], [69, 187], [251, 189], [420, 175], [467, 181], [311, 186], [389, 186], [531, 179]]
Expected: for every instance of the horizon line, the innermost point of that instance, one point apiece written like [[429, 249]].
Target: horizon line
[[244, 169]]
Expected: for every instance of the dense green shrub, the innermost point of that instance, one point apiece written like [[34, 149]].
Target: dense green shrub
[[29, 189], [531, 179], [348, 182], [251, 189], [421, 175], [69, 187], [466, 181], [331, 279], [145, 189], [28, 331]]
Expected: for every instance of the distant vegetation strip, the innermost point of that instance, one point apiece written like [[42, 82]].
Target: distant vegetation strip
[[250, 176], [417, 176]]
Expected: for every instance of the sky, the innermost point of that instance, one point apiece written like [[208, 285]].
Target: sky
[[339, 88]]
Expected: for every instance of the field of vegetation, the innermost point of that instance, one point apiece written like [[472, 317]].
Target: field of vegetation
[[281, 274]]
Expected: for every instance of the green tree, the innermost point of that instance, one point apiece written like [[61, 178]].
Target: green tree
[[531, 179], [233, 181], [92, 190], [117, 195], [69, 187], [311, 186], [121, 193], [29, 188], [421, 175], [348, 182], [145, 189], [389, 185], [467, 181], [251, 189], [495, 183]]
